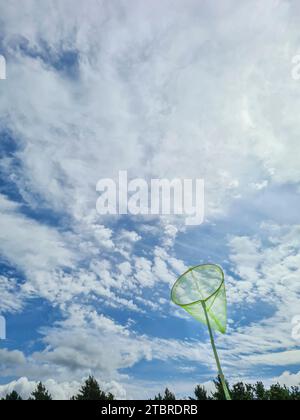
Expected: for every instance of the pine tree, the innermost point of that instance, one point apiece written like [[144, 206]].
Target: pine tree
[[168, 396], [242, 392], [200, 394], [13, 396], [219, 393], [260, 392], [40, 393], [278, 392], [91, 391], [295, 393]]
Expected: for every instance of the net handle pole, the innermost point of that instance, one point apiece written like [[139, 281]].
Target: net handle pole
[[221, 374]]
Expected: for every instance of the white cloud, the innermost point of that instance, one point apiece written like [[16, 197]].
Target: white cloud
[[11, 358], [269, 278], [224, 109], [11, 296], [151, 86], [144, 274], [87, 342], [289, 379], [284, 358], [31, 246], [58, 390], [22, 386]]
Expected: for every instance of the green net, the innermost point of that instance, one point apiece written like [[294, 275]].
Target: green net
[[203, 287], [201, 292]]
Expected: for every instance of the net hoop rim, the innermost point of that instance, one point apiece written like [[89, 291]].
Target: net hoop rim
[[202, 266]]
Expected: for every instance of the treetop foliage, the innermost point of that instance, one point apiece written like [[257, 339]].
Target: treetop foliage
[[240, 391]]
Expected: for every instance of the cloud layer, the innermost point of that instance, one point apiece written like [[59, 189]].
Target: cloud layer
[[161, 89]]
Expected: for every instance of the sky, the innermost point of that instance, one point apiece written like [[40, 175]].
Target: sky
[[161, 89]]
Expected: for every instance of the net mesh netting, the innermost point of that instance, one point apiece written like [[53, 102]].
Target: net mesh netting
[[199, 286]]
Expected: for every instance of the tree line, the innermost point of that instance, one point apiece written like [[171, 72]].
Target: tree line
[[91, 391]]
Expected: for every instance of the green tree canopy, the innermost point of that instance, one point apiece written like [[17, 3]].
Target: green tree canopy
[[244, 392], [13, 396], [219, 393], [91, 391], [201, 394], [40, 393], [168, 396]]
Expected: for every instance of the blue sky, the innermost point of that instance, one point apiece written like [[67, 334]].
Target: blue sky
[[162, 89]]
